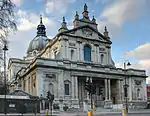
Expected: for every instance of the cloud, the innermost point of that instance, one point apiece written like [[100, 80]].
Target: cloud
[[17, 2], [59, 6], [104, 2], [27, 23], [141, 55], [141, 52], [142, 65], [120, 11]]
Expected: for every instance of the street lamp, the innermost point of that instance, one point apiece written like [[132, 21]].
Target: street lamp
[[126, 86], [90, 88], [5, 49]]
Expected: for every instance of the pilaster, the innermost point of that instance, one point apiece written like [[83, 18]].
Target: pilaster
[[109, 89], [76, 87], [130, 89], [106, 92], [98, 55], [81, 52], [73, 86]]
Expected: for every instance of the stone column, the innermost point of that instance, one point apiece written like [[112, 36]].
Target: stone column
[[81, 52], [60, 86], [78, 51], [93, 53], [73, 87], [144, 90], [130, 89], [76, 87], [67, 49], [98, 55], [31, 85], [122, 90], [119, 90], [109, 89], [63, 47], [106, 92], [87, 78]]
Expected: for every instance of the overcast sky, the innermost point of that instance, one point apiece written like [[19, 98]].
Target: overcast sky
[[128, 23]]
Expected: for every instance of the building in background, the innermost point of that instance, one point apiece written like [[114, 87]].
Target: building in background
[[62, 65]]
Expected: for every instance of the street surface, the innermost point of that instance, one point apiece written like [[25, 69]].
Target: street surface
[[81, 114], [142, 112]]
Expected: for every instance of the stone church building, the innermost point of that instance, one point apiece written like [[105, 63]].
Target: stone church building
[[62, 65]]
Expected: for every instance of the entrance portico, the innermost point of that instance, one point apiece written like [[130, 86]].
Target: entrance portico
[[107, 91]]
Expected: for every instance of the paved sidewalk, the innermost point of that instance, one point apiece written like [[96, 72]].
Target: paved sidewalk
[[139, 111]]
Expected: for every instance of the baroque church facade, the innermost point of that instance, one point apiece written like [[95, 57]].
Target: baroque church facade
[[63, 64]]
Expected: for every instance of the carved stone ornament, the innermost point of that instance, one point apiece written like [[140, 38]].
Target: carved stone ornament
[[50, 76], [101, 49], [137, 82], [87, 32], [71, 44]]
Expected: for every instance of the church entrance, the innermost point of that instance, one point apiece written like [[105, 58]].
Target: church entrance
[[98, 98], [114, 90]]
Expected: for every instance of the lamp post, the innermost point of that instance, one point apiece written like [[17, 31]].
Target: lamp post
[[126, 86], [90, 88], [5, 49]]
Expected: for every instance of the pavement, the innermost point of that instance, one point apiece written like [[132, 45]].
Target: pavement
[[140, 112]]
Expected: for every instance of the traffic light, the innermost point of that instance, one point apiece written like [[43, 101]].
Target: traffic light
[[93, 89], [87, 85], [100, 91], [48, 94]]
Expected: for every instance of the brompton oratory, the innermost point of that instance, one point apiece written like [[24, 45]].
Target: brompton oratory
[[62, 65]]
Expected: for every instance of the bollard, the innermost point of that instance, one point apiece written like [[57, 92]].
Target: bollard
[[90, 113], [124, 113], [46, 112]]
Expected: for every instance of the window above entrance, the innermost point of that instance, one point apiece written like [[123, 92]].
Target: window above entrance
[[87, 53]]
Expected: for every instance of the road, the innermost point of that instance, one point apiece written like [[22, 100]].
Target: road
[[83, 114], [143, 114]]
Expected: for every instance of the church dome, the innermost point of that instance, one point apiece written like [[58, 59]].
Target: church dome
[[39, 42]]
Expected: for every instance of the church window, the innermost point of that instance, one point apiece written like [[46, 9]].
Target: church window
[[67, 86], [66, 89], [55, 54], [72, 52], [102, 58], [87, 53]]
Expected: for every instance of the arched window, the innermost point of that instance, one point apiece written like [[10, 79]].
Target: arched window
[[67, 86], [87, 53], [55, 54], [102, 58], [72, 52]]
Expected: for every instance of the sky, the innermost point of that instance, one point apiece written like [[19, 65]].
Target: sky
[[128, 23]]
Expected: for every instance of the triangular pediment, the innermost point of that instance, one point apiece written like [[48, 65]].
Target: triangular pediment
[[87, 32]]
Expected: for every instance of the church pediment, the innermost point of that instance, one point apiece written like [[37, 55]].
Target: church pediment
[[87, 32]]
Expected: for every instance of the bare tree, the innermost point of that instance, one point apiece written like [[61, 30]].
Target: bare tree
[[7, 22]]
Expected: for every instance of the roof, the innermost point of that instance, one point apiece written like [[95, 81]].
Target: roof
[[22, 93]]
